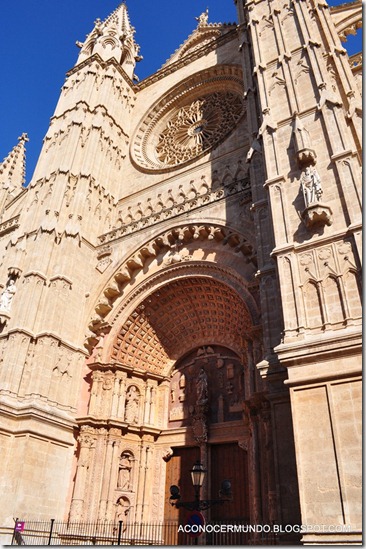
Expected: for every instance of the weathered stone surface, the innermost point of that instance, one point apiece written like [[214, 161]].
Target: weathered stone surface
[[169, 230]]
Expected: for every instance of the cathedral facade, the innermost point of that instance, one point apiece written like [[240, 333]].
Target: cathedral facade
[[181, 280]]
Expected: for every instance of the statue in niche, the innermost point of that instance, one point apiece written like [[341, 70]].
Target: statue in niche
[[7, 295], [182, 386], [311, 186], [172, 394], [132, 405], [123, 507], [125, 472], [182, 381], [202, 387]]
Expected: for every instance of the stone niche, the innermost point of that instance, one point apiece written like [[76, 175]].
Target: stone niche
[[224, 378]]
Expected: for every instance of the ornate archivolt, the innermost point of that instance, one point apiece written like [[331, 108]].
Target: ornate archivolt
[[190, 119], [171, 247]]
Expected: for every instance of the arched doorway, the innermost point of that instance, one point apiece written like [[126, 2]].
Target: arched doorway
[[147, 400], [207, 395]]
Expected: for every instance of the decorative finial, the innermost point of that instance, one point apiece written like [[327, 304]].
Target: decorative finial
[[24, 137]]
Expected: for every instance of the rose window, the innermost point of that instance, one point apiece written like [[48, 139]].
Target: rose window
[[189, 120], [197, 127]]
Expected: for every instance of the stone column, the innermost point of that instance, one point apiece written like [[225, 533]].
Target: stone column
[[152, 403], [122, 394], [269, 473], [105, 480], [95, 393], [253, 467], [147, 403], [112, 477], [86, 441]]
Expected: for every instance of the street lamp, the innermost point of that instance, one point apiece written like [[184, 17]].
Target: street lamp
[[198, 476]]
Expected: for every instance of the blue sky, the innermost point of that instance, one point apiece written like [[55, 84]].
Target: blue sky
[[37, 48]]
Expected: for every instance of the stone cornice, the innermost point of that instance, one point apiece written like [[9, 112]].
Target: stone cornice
[[117, 367], [115, 423], [25, 411], [87, 109], [321, 241], [319, 348], [35, 336], [9, 225]]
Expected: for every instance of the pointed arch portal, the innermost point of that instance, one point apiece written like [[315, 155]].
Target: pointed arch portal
[[171, 380], [178, 317], [185, 327]]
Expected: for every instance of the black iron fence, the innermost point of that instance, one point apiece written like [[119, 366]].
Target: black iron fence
[[119, 533]]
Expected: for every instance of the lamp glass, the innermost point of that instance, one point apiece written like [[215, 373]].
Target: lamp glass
[[198, 474]]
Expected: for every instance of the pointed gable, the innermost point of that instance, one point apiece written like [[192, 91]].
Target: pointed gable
[[204, 34]]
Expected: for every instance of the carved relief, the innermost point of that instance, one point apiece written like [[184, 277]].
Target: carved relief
[[330, 289], [171, 203]]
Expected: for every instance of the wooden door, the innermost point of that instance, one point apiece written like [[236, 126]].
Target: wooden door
[[229, 461], [178, 473]]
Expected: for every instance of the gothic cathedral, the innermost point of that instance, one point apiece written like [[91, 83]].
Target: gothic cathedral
[[180, 280]]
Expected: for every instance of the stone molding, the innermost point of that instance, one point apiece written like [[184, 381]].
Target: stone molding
[[170, 239], [145, 215], [188, 59]]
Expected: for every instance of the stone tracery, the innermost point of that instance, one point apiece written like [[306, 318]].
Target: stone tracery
[[222, 89], [196, 127]]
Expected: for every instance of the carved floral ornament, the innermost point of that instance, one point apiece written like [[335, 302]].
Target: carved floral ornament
[[190, 120]]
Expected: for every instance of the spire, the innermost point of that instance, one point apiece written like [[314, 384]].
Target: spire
[[12, 169], [113, 37]]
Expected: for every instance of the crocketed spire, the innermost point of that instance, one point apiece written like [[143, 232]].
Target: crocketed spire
[[113, 38], [12, 168]]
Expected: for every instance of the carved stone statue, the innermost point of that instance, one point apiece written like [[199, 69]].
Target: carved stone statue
[[125, 471], [7, 296], [123, 507], [203, 18], [202, 387], [311, 186], [132, 405]]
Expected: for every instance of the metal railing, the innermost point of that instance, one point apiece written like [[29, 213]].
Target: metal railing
[[119, 533]]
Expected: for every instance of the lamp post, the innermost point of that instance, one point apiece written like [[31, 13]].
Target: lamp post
[[198, 474]]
